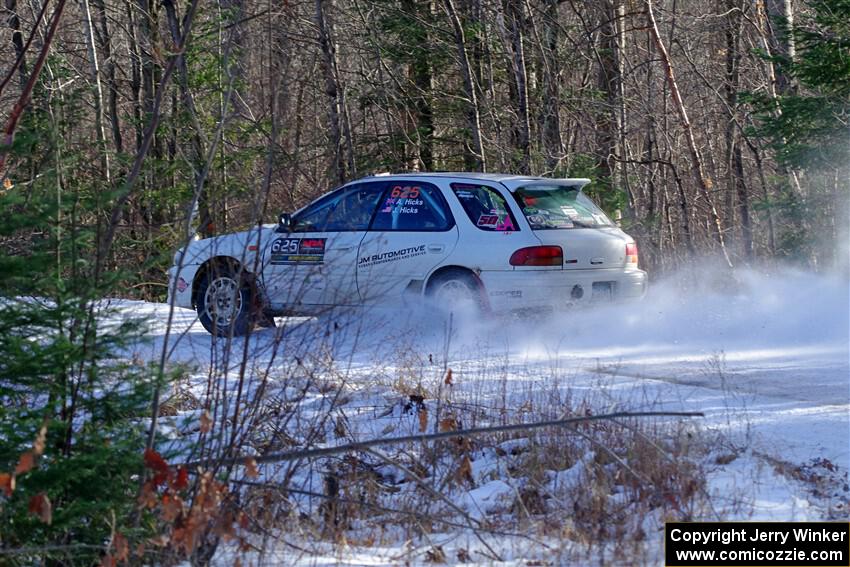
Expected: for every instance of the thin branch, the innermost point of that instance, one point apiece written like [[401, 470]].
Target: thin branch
[[23, 101], [20, 58], [361, 445]]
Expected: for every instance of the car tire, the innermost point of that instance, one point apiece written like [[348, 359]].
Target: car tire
[[456, 290], [225, 302]]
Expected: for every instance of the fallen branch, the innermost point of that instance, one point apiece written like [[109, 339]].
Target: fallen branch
[[361, 445]]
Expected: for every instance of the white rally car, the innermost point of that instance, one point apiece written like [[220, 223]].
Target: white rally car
[[503, 243]]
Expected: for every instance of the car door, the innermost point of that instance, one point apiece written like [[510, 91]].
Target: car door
[[412, 233], [314, 264]]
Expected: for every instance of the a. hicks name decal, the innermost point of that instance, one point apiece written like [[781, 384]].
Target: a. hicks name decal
[[393, 256], [298, 251], [403, 200]]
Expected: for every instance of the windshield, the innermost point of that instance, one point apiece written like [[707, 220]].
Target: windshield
[[558, 206]]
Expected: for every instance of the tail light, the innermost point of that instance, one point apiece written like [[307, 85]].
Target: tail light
[[538, 256], [631, 253]]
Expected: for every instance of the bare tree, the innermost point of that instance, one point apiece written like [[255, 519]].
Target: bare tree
[[705, 184], [480, 161]]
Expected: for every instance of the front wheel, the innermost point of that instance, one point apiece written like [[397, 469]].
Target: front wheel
[[224, 302]]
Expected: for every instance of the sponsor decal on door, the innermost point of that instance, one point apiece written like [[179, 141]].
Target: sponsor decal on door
[[298, 251], [393, 256]]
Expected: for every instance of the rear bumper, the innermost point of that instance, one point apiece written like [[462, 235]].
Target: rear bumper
[[558, 289]]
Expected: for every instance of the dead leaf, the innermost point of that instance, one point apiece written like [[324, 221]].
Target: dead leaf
[[251, 468], [7, 184], [148, 497], [155, 462], [184, 538], [40, 506], [464, 471], [7, 484], [448, 424], [172, 507], [339, 427], [122, 548], [25, 464], [423, 419], [224, 527], [244, 520], [38, 445], [159, 541], [435, 555], [206, 422], [140, 550], [448, 380], [182, 480]]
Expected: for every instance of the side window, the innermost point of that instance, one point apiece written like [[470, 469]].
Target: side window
[[345, 210], [485, 207], [412, 206]]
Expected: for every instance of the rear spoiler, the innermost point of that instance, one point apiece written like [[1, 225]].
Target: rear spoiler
[[516, 183]]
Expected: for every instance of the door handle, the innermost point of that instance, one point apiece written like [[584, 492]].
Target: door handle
[[345, 248], [436, 248]]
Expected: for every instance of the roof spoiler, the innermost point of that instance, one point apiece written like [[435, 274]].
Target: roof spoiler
[[577, 182]]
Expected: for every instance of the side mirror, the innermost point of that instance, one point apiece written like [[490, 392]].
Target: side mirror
[[284, 222]]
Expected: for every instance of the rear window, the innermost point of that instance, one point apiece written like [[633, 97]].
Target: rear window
[[557, 207], [485, 206]]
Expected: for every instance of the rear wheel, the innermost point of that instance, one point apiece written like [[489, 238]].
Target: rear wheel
[[456, 291], [224, 302]]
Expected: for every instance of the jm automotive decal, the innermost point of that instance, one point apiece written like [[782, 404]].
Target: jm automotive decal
[[385, 257], [298, 250]]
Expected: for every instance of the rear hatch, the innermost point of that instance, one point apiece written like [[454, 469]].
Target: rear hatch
[[561, 215]]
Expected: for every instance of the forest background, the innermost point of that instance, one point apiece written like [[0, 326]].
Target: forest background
[[709, 130]]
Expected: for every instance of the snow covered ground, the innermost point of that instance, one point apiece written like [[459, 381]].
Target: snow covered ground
[[765, 357]]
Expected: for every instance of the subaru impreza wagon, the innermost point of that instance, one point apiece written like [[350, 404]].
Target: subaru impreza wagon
[[500, 243]]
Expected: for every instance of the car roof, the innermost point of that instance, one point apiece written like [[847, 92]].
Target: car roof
[[511, 180]]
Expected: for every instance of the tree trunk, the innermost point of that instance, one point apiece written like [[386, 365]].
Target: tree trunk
[[197, 149], [517, 17], [609, 78], [704, 183], [97, 90], [553, 144], [149, 45], [105, 40], [479, 161], [780, 19], [338, 173], [17, 39], [419, 73], [736, 185]]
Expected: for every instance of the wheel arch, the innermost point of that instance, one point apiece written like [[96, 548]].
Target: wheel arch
[[472, 274], [220, 262]]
